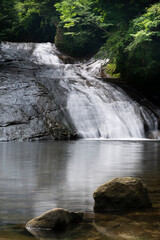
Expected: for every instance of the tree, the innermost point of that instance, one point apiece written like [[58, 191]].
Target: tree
[[81, 25], [7, 18], [37, 20], [142, 50], [29, 20]]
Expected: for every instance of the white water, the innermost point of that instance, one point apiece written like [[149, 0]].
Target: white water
[[100, 110], [97, 109]]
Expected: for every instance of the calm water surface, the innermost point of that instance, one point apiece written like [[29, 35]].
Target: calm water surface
[[36, 177]]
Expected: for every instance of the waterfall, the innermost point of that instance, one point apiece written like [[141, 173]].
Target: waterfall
[[99, 110], [96, 109]]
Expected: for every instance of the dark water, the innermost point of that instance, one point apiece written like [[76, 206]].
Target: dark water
[[36, 177]]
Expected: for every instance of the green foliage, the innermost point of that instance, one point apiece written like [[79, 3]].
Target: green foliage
[[142, 49], [73, 12], [29, 20], [132, 40], [111, 69], [82, 26], [7, 18], [145, 28], [37, 20]]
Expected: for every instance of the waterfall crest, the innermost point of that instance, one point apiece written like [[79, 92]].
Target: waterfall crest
[[96, 109]]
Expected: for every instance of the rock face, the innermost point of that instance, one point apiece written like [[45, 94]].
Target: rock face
[[32, 101], [121, 194], [56, 219]]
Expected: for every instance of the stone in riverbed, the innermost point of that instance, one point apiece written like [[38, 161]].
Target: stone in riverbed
[[57, 219], [125, 193]]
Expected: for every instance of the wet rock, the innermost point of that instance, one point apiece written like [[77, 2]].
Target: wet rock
[[104, 74], [67, 59], [154, 135], [56, 219], [120, 194], [81, 231], [32, 104], [158, 123]]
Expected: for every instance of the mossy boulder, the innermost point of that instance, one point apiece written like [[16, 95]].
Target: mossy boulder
[[57, 219], [121, 194]]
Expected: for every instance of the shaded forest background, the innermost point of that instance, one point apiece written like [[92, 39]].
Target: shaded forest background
[[126, 32]]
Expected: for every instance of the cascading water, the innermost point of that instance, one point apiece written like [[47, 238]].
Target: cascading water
[[100, 110], [95, 108]]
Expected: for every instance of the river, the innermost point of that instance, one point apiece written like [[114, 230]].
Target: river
[[38, 176]]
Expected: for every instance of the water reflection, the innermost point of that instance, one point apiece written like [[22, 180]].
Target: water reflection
[[35, 177]]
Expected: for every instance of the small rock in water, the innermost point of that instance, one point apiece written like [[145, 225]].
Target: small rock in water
[[125, 193], [154, 135], [57, 219]]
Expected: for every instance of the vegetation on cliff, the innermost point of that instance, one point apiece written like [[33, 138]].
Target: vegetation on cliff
[[142, 49]]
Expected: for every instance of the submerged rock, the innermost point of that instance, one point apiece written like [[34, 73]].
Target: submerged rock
[[142, 225], [56, 219], [125, 193]]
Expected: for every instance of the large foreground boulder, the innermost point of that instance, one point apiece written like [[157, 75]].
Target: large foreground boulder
[[126, 193], [56, 219]]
